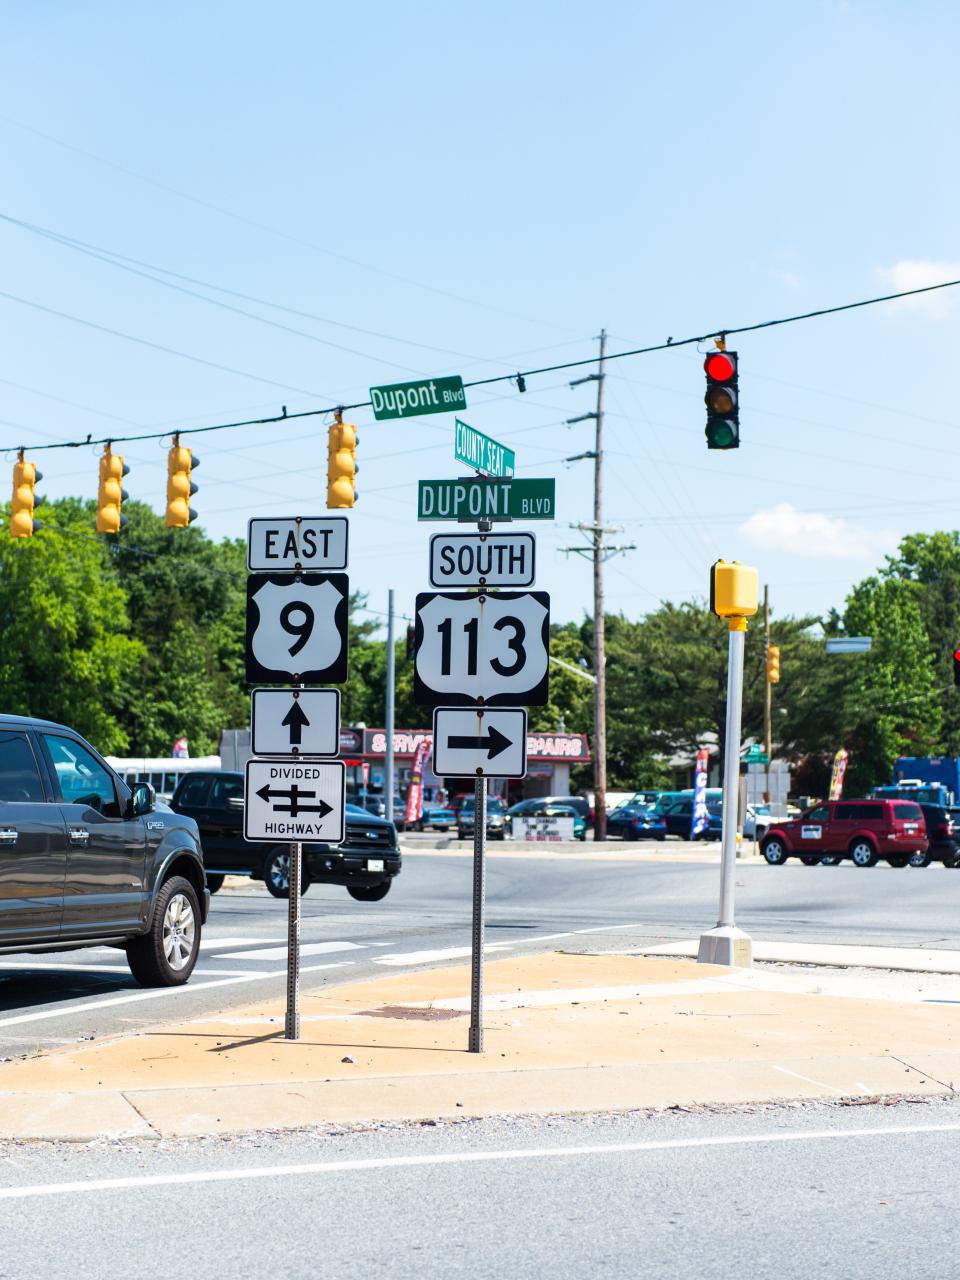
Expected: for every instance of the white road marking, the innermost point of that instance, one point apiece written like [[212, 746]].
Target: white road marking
[[155, 993], [208, 943], [280, 953], [808, 1079], [464, 1157], [427, 957]]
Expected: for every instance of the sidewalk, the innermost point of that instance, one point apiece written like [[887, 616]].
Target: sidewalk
[[563, 1033]]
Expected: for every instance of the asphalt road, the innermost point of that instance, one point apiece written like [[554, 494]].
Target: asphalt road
[[770, 1192], [532, 902]]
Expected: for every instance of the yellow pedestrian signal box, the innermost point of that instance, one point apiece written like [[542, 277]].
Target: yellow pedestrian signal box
[[773, 664], [111, 494], [734, 589], [25, 477], [180, 487], [342, 465]]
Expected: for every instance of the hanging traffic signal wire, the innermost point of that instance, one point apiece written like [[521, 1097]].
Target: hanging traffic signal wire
[[514, 378]]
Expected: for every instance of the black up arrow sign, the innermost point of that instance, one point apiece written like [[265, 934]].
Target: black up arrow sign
[[295, 796], [296, 721], [493, 743]]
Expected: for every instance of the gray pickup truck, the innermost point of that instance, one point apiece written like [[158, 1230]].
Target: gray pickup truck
[[86, 861]]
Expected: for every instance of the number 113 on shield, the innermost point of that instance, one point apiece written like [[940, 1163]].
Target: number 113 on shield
[[297, 628], [482, 646]]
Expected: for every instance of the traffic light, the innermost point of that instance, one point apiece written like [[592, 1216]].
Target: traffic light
[[411, 643], [25, 477], [180, 488], [111, 494], [342, 465], [956, 667], [722, 401], [773, 664]]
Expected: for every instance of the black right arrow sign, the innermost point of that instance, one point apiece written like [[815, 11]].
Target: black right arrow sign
[[492, 743]]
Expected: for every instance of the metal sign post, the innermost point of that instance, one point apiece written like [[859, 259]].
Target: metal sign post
[[291, 1026], [475, 1043]]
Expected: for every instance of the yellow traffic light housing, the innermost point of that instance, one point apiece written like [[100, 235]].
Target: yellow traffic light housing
[[342, 465], [773, 664], [180, 487], [25, 477], [111, 493], [734, 591]]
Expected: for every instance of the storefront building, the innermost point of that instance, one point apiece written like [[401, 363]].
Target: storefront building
[[549, 759]]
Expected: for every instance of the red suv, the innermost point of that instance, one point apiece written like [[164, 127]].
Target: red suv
[[863, 830]]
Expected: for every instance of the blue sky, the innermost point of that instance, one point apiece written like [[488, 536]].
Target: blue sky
[[477, 189]]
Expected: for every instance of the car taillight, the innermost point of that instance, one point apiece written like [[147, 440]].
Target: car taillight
[[944, 829]]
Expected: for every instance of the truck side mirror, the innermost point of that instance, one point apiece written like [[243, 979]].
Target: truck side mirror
[[143, 800]]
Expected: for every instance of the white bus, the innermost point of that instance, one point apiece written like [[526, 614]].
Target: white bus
[[162, 772]]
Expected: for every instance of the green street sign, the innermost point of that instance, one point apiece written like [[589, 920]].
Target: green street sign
[[487, 500], [412, 399], [755, 754], [480, 452]]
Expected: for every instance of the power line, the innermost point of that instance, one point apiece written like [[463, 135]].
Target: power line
[[519, 378]]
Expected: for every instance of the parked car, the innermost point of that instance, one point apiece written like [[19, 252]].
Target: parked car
[[636, 822], [943, 833], [496, 818], [365, 864], [677, 815], [863, 830], [436, 817], [580, 803], [87, 861], [548, 809]]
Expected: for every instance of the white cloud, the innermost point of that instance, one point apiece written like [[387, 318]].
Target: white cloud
[[815, 534], [918, 273]]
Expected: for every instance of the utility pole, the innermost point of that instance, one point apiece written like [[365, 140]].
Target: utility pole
[[599, 551], [768, 693]]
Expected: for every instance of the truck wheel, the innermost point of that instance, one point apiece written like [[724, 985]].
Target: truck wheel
[[863, 853], [369, 892], [898, 859], [276, 874], [166, 954], [920, 860], [830, 860], [775, 852], [810, 859], [215, 883]]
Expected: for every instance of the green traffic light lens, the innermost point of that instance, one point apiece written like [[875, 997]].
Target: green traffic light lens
[[722, 434]]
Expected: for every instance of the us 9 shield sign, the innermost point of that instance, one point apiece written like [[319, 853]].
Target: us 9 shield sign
[[297, 628]]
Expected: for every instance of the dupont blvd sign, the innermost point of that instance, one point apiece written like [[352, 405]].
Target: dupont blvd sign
[[413, 399], [469, 500]]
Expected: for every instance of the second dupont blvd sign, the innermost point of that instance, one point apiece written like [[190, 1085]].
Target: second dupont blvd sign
[[480, 452], [486, 500], [412, 399]]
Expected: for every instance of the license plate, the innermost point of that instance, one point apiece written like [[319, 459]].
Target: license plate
[[374, 864], [910, 828]]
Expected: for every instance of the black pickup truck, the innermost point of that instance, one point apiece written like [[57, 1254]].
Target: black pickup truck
[[86, 861], [365, 864]]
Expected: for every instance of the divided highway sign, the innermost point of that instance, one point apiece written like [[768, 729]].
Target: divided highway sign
[[289, 801], [295, 722], [477, 646], [297, 628], [482, 559], [310, 542], [490, 743]]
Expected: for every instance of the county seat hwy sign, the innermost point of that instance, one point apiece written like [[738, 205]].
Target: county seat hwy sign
[[473, 646], [297, 628], [286, 800]]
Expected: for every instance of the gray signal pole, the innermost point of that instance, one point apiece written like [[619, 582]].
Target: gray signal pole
[[599, 551], [388, 713]]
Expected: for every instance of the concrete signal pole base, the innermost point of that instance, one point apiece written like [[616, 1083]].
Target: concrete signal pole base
[[726, 945]]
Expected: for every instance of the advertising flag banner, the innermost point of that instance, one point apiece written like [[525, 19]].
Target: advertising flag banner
[[415, 790], [181, 749], [700, 819], [839, 769]]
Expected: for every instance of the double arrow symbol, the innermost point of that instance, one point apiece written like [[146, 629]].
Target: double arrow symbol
[[294, 795], [493, 743]]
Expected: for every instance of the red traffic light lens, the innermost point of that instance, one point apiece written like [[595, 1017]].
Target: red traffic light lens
[[956, 655], [720, 367]]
